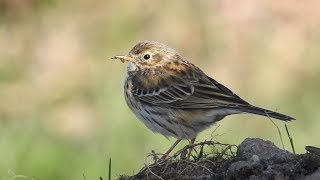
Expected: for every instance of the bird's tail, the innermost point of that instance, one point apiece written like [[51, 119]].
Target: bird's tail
[[265, 112]]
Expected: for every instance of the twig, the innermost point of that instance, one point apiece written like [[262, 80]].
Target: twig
[[153, 173], [195, 164], [199, 144]]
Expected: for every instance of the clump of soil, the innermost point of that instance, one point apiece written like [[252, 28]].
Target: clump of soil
[[254, 159]]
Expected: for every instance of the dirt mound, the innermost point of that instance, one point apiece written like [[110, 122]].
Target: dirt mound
[[254, 159]]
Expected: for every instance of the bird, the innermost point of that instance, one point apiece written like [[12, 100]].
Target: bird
[[175, 98]]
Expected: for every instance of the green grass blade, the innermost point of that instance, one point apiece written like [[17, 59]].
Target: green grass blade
[[109, 174], [290, 139]]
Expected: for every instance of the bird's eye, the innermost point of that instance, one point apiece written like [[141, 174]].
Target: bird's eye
[[146, 56]]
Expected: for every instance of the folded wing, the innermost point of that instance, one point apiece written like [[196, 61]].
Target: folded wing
[[195, 91]]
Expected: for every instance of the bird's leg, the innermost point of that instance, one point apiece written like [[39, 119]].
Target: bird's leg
[[190, 144], [170, 149]]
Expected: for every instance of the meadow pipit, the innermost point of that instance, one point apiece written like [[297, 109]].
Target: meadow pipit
[[173, 97]]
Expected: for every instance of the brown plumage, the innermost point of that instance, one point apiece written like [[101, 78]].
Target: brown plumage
[[174, 97]]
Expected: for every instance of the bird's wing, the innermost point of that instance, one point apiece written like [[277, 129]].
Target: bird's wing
[[208, 93], [195, 91], [164, 95]]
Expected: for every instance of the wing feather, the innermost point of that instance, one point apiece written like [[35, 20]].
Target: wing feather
[[198, 92], [167, 95]]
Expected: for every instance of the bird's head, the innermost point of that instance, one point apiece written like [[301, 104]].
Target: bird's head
[[149, 54]]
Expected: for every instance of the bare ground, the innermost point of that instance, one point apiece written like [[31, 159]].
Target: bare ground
[[253, 159]]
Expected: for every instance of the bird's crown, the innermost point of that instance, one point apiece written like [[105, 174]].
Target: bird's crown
[[151, 54]]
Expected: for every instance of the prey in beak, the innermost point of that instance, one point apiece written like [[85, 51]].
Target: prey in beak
[[123, 58]]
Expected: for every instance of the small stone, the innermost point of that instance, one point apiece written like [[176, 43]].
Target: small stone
[[265, 150], [255, 158]]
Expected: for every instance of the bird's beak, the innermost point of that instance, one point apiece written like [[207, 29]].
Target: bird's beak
[[123, 58]]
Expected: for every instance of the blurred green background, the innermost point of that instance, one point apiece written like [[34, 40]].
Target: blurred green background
[[62, 110]]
